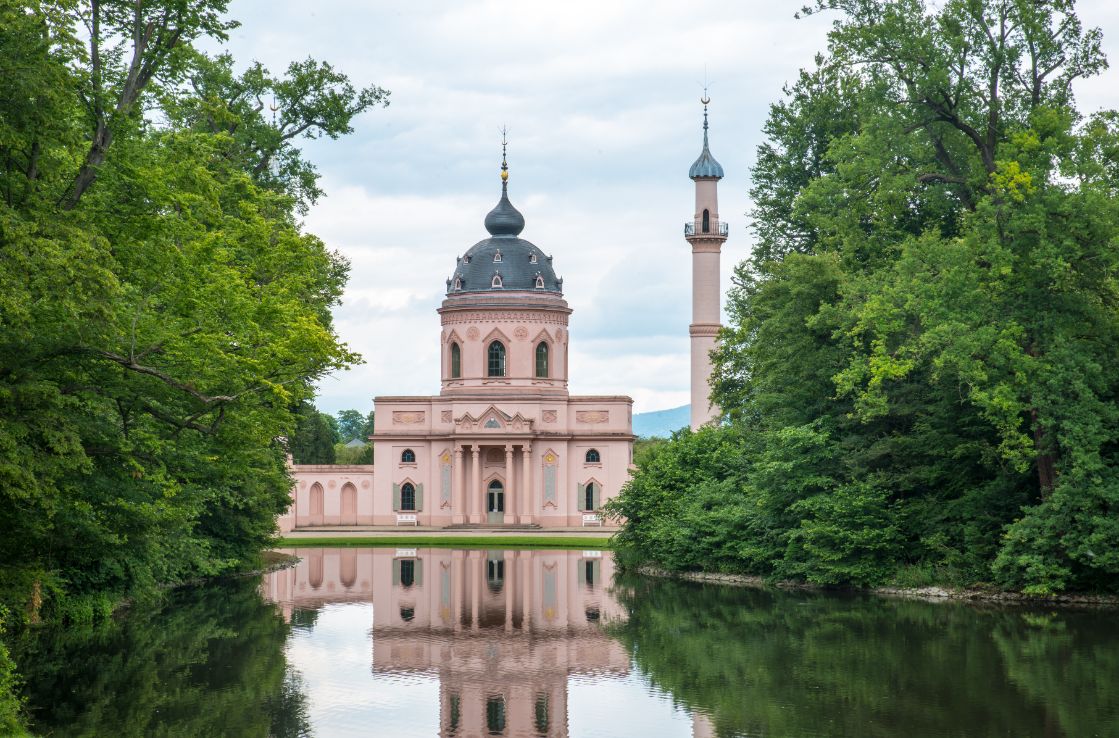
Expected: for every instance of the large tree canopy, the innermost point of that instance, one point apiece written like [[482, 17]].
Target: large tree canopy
[[922, 343], [162, 311]]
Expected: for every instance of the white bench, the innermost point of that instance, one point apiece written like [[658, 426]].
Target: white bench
[[592, 519], [407, 518]]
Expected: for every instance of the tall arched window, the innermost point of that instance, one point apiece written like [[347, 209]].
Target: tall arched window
[[589, 492], [456, 361], [542, 360], [593, 456], [408, 456], [496, 359], [706, 221], [408, 497]]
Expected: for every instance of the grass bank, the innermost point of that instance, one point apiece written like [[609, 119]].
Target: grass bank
[[491, 542]]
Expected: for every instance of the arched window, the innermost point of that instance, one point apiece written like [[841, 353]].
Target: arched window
[[589, 499], [532, 259], [458, 283], [497, 256], [407, 614], [496, 281], [408, 496], [408, 456], [539, 282], [456, 361], [407, 572], [706, 221], [496, 359], [593, 457], [542, 360]]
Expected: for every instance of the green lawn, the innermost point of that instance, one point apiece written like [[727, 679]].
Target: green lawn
[[491, 542]]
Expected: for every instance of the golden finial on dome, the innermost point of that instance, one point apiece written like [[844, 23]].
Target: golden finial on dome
[[504, 165]]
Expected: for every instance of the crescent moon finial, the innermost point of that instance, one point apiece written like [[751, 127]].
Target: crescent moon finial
[[705, 99]]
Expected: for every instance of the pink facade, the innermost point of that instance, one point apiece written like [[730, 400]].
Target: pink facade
[[503, 443]]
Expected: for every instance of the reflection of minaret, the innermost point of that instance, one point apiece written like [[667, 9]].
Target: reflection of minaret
[[706, 234]]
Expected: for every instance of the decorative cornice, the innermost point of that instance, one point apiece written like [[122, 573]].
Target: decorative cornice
[[704, 329], [474, 315]]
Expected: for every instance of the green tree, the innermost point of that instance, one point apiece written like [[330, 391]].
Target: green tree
[[351, 426], [162, 311], [931, 307], [314, 438]]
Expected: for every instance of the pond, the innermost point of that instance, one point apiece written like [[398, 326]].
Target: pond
[[442, 642]]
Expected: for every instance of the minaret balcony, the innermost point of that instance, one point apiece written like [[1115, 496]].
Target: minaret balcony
[[711, 228]]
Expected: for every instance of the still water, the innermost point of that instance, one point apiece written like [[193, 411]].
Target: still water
[[427, 642]]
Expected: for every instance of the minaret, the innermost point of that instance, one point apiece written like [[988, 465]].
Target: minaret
[[706, 234]]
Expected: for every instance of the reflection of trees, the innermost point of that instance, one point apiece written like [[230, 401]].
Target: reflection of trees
[[1074, 669], [210, 661], [792, 663]]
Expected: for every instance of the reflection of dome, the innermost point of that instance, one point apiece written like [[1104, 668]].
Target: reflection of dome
[[504, 262]]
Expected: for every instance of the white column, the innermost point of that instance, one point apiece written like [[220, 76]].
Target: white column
[[528, 509], [458, 494], [510, 488], [477, 502]]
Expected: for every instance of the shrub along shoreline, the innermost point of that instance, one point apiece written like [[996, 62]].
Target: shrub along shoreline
[[925, 593]]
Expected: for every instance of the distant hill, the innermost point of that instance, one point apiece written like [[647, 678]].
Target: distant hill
[[661, 423]]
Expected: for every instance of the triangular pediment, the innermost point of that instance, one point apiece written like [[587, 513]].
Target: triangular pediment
[[494, 419]]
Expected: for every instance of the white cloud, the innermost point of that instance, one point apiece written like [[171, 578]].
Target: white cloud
[[600, 99]]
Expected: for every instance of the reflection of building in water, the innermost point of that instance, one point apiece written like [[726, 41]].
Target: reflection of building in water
[[503, 630]]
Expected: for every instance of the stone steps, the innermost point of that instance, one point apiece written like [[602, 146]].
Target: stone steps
[[493, 526]]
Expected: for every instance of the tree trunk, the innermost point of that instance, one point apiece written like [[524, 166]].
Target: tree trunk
[[88, 173], [1046, 459]]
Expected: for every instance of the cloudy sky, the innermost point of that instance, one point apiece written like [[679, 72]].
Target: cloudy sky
[[601, 102]]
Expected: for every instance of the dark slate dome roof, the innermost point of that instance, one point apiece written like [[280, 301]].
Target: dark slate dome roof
[[519, 264]]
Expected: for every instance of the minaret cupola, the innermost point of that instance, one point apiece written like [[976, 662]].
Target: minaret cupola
[[705, 167]]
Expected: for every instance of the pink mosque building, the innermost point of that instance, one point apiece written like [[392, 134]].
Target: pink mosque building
[[504, 444]]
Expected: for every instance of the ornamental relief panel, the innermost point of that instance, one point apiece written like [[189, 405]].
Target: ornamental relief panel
[[407, 417], [445, 416], [549, 416], [550, 318], [472, 333], [521, 333], [592, 416]]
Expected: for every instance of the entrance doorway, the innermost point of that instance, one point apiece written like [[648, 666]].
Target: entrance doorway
[[495, 503]]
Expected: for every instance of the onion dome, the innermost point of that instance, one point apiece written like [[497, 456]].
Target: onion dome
[[705, 167], [504, 262], [504, 219]]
